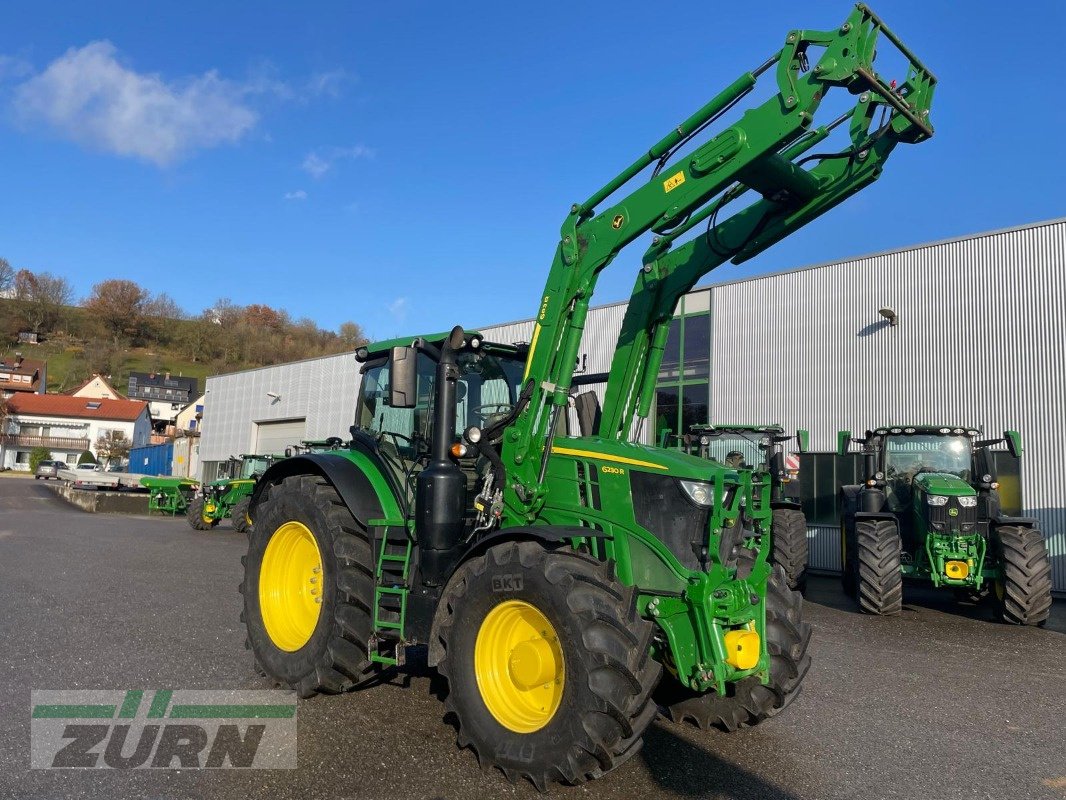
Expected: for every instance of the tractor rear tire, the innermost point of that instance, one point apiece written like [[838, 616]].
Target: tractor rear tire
[[604, 672], [749, 702], [880, 584], [789, 539], [1022, 595], [310, 646], [195, 515], [242, 523]]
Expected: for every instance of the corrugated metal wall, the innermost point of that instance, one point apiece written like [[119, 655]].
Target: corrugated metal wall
[[321, 390], [980, 341]]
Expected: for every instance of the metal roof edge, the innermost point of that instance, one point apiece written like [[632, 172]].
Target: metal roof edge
[[834, 262], [275, 366]]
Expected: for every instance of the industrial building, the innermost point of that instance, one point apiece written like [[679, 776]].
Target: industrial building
[[966, 331]]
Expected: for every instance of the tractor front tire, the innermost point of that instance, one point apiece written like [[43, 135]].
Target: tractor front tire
[[242, 523], [788, 536], [880, 579], [309, 588], [195, 515], [548, 663], [749, 702], [1023, 594]]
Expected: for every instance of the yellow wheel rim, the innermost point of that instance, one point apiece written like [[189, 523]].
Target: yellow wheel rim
[[519, 666], [290, 586]]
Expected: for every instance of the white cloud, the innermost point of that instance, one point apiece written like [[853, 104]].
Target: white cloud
[[14, 68], [318, 162], [398, 309], [88, 96], [299, 194], [328, 83]]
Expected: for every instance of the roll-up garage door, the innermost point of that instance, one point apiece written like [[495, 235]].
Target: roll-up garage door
[[274, 437]]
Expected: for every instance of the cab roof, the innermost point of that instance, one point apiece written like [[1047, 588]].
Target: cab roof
[[924, 430], [702, 428], [383, 348]]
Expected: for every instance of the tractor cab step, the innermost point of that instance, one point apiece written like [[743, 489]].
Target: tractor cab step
[[391, 574]]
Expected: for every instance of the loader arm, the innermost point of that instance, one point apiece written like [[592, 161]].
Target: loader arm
[[761, 152]]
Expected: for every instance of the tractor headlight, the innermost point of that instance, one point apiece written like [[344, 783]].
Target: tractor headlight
[[699, 492], [986, 478], [968, 502], [937, 500]]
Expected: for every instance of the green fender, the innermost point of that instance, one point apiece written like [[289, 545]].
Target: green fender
[[358, 480]]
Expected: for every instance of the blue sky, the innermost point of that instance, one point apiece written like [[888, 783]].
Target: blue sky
[[407, 165]]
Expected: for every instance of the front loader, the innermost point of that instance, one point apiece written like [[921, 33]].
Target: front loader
[[559, 580], [928, 510], [775, 493]]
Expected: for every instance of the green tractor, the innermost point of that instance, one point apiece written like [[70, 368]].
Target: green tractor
[[559, 581], [230, 495], [929, 510], [760, 448]]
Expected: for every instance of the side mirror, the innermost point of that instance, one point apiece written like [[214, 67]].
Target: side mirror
[[804, 439], [288, 452], [1014, 443], [843, 442], [403, 377]]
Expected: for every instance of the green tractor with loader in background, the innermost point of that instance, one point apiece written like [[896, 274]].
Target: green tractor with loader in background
[[928, 510], [760, 448], [560, 581], [229, 495]]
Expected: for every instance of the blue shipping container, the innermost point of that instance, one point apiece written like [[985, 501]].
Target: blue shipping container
[[155, 459]]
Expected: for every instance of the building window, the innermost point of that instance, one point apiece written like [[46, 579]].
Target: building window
[[683, 389], [22, 457]]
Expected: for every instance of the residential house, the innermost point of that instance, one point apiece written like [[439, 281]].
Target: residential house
[[67, 426], [97, 387], [165, 394], [188, 420], [18, 374]]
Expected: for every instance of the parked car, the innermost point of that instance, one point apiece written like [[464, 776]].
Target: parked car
[[90, 467], [48, 469]]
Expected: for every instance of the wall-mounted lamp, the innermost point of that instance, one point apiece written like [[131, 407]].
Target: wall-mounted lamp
[[274, 396], [890, 315]]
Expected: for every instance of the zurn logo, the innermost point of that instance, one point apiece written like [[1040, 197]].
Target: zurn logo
[[163, 729]]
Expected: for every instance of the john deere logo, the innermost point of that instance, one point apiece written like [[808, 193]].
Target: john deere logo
[[165, 729], [953, 512]]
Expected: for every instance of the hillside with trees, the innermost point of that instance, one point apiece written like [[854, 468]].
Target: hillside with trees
[[122, 327]]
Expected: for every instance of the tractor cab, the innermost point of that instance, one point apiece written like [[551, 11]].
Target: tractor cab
[[756, 447], [397, 418]]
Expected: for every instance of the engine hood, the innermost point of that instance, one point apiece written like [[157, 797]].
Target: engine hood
[[942, 483], [629, 456]]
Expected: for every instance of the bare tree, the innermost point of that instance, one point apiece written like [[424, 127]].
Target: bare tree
[[112, 445], [351, 334], [7, 275], [40, 298], [163, 306]]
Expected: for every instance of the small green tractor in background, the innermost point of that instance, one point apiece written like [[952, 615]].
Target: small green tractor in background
[[760, 449], [929, 510], [229, 496]]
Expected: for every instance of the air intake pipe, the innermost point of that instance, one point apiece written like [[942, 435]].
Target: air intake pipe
[[440, 491]]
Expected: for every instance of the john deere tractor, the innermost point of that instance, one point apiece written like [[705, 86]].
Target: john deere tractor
[[929, 510], [230, 495], [775, 487], [559, 580]]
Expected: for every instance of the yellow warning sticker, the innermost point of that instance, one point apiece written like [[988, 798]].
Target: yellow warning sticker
[[674, 181]]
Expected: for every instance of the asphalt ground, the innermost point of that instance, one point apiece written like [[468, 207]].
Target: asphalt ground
[[940, 702]]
